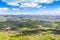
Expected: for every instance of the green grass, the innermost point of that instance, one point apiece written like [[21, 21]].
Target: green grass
[[40, 36], [4, 36]]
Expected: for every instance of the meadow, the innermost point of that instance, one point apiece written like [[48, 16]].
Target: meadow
[[29, 29], [38, 36]]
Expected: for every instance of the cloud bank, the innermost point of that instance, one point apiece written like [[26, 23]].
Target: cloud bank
[[28, 3]]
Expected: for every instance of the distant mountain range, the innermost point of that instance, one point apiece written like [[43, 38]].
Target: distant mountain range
[[33, 16]]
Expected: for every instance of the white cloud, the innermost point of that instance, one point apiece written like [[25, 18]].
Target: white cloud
[[48, 12], [44, 1], [3, 10], [15, 8], [57, 10], [38, 1], [13, 3], [38, 12], [27, 3], [33, 5]]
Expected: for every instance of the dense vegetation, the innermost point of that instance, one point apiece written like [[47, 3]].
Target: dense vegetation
[[28, 23], [38, 36], [10, 30]]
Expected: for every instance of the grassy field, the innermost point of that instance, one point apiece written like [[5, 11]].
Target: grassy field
[[28, 25], [37, 36]]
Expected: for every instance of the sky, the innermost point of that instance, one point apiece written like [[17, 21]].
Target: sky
[[29, 7]]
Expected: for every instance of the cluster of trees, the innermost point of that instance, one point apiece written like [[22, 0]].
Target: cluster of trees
[[14, 25], [29, 24]]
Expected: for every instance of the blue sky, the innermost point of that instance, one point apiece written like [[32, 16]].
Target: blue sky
[[30, 7]]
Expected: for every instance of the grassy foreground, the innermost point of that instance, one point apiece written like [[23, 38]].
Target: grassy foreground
[[38, 36]]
